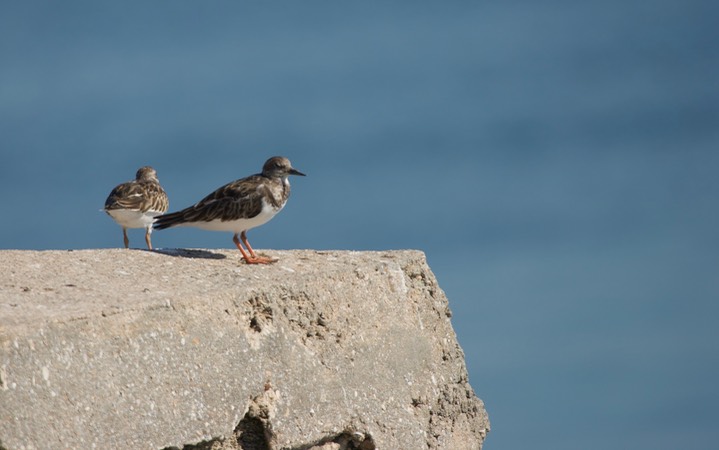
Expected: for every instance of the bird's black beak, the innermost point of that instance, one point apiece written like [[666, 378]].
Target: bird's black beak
[[297, 172]]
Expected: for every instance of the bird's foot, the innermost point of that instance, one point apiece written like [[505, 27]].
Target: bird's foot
[[259, 260]]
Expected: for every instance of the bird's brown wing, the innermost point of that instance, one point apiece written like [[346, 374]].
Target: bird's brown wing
[[138, 195], [240, 199]]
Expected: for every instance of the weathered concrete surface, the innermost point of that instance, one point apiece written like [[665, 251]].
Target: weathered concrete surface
[[160, 350]]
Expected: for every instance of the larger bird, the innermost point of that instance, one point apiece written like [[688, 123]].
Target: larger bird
[[136, 203], [240, 206]]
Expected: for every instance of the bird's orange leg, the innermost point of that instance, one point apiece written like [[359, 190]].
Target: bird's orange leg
[[125, 238], [148, 239], [236, 240], [252, 258], [243, 236], [258, 259]]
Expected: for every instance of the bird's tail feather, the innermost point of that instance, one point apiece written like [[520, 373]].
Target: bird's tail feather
[[168, 220]]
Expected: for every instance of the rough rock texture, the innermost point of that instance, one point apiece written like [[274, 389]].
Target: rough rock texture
[[193, 349]]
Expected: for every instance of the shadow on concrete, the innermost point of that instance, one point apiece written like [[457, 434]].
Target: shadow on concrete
[[189, 253]]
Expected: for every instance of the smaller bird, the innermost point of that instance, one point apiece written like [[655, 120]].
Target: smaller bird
[[239, 206], [135, 204]]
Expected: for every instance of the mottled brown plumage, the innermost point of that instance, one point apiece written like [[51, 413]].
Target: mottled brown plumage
[[239, 206], [136, 203]]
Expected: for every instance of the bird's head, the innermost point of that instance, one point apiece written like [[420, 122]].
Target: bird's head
[[279, 167], [146, 173]]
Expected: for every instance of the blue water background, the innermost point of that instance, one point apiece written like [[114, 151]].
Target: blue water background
[[557, 161]]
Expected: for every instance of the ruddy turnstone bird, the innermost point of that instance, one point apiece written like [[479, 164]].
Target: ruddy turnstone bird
[[136, 203], [240, 206]]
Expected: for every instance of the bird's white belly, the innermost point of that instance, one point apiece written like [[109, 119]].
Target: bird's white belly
[[239, 225], [130, 218]]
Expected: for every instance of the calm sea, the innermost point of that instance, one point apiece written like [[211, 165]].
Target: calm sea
[[557, 161]]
